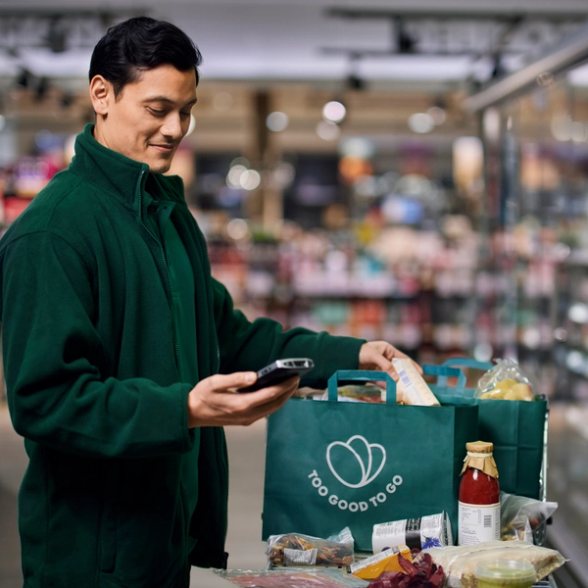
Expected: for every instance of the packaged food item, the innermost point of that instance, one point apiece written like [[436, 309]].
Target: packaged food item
[[411, 388], [505, 381], [460, 563], [419, 574], [386, 561], [505, 573], [479, 496], [362, 393], [524, 518], [430, 531], [295, 549]]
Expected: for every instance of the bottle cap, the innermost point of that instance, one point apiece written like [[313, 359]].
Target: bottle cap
[[480, 447], [479, 457]]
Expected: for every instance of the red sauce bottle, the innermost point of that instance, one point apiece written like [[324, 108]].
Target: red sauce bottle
[[479, 496]]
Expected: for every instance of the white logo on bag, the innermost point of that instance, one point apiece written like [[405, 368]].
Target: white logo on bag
[[366, 469]]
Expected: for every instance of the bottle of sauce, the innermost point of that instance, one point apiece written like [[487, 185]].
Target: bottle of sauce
[[479, 496]]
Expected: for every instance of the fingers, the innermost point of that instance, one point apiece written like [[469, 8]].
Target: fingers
[[214, 402], [271, 406], [222, 382], [281, 391]]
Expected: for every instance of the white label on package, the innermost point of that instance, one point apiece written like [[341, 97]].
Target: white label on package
[[478, 523], [421, 533], [298, 557], [416, 390]]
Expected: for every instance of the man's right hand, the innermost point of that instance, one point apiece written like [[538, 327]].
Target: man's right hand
[[213, 402]]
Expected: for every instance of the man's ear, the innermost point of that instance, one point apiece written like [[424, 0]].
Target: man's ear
[[101, 94]]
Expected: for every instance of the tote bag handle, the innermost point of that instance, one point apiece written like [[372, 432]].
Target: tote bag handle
[[443, 372], [468, 363], [361, 376]]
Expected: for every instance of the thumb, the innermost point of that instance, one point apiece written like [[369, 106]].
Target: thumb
[[223, 382], [384, 364]]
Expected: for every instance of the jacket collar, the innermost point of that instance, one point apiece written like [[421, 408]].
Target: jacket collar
[[117, 174]]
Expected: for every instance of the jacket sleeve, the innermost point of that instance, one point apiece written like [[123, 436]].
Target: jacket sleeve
[[52, 353], [246, 345]]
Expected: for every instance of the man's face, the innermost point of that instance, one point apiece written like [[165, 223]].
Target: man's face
[[149, 117]]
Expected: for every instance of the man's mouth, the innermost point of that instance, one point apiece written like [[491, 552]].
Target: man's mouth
[[163, 147]]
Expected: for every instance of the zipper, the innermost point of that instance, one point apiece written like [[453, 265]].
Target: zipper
[[225, 458], [162, 251], [217, 368]]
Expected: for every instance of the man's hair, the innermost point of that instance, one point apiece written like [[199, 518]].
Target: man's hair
[[140, 44]]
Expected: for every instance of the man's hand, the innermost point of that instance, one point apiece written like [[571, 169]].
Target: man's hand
[[378, 355], [213, 402]]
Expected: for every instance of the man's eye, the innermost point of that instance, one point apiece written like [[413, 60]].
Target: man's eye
[[156, 112], [185, 114]]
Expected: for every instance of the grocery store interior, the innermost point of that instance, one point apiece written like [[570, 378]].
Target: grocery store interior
[[408, 170]]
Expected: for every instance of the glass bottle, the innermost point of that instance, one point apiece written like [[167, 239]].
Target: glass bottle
[[479, 496]]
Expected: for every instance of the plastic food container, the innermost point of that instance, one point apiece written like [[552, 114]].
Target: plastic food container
[[505, 573]]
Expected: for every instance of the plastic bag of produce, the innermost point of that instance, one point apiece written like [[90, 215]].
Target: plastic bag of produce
[[295, 549], [505, 381], [420, 574], [460, 563], [524, 518]]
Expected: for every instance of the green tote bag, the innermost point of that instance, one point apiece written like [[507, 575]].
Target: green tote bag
[[517, 428], [332, 464]]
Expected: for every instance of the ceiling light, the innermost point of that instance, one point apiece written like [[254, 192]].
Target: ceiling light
[[328, 131], [421, 122], [250, 179], [234, 176], [277, 121], [192, 125], [561, 127], [334, 111]]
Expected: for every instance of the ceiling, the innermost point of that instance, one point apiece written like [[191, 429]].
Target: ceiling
[[432, 41]]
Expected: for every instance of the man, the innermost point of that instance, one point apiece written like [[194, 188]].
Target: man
[[121, 352]]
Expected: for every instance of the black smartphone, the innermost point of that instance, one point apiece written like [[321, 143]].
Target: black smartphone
[[279, 371]]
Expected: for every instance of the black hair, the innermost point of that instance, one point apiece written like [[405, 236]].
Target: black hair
[[142, 43]]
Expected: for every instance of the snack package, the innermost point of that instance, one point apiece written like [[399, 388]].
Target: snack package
[[295, 549], [387, 561], [460, 563], [370, 393], [411, 388], [421, 533], [418, 574], [505, 381], [524, 518]]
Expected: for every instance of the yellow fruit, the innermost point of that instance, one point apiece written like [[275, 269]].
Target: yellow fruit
[[506, 384], [495, 394], [523, 392]]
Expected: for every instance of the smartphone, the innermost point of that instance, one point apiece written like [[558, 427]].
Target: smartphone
[[279, 371]]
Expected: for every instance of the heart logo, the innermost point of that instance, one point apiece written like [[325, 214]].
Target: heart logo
[[356, 448]]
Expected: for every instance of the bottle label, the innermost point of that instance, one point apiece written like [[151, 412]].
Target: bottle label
[[478, 523]]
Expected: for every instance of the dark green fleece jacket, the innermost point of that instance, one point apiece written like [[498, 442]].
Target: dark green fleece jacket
[[93, 386]]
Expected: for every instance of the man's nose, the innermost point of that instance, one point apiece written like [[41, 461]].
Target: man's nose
[[172, 126]]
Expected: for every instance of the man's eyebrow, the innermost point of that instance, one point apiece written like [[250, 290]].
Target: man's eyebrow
[[167, 100]]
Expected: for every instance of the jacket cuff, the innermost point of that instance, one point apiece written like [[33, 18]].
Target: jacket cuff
[[337, 353], [189, 437]]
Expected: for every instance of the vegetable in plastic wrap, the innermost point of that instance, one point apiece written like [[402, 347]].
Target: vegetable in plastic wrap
[[505, 381], [524, 518], [420, 574], [295, 549]]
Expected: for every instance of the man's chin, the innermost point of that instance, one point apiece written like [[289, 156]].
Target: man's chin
[[159, 167]]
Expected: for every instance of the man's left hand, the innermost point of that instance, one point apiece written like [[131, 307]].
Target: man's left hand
[[378, 355]]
